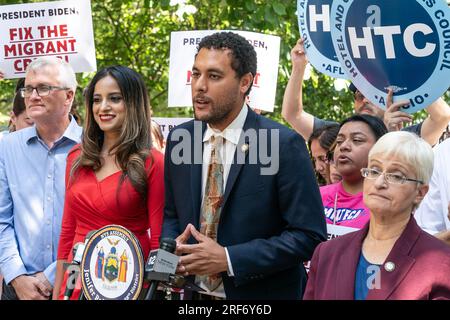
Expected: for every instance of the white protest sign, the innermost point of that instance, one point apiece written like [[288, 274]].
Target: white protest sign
[[167, 124], [183, 47], [59, 28], [333, 231]]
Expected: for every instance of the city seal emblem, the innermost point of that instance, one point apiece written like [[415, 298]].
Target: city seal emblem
[[112, 265]]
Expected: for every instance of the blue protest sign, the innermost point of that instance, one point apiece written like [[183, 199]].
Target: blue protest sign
[[402, 44], [314, 25]]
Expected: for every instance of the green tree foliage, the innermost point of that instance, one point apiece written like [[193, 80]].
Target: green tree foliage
[[137, 34]]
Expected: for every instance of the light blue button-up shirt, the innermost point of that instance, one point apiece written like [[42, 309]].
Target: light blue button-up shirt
[[32, 187]]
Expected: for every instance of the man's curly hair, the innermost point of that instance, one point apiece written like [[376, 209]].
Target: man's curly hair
[[243, 58]]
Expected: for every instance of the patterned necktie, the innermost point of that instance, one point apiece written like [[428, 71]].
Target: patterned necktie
[[212, 205]]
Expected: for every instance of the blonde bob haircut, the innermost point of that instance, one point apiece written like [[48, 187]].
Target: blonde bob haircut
[[410, 148]]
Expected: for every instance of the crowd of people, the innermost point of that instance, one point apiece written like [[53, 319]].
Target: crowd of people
[[244, 223]]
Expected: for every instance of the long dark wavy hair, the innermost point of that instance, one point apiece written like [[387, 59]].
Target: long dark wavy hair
[[134, 143]]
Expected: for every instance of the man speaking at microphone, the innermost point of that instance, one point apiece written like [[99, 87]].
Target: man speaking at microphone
[[243, 223]]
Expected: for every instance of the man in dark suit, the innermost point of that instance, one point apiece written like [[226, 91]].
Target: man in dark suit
[[245, 182]]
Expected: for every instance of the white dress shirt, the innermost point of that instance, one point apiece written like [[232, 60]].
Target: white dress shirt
[[432, 213]]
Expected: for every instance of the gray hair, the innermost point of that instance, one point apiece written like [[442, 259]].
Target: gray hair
[[410, 148], [66, 76]]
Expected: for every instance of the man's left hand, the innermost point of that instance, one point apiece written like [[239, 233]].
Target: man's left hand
[[205, 258]]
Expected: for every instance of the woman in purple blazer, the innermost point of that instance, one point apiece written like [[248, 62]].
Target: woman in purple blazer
[[391, 258]]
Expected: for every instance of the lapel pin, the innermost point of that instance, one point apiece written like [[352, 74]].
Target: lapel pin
[[389, 266], [244, 148]]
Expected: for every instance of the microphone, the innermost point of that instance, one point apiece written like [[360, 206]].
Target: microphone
[[78, 250], [161, 265]]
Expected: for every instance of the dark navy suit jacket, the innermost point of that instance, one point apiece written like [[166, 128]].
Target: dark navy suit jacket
[[270, 224], [422, 268]]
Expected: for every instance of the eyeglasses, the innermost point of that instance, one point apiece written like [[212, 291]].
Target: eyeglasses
[[393, 178], [42, 90]]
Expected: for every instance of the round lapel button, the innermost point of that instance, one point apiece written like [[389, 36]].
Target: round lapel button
[[244, 148], [389, 266]]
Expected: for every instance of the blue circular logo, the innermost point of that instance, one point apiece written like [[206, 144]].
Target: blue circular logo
[[112, 265], [314, 26], [381, 49]]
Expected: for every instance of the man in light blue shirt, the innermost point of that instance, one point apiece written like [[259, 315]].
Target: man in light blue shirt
[[32, 186]]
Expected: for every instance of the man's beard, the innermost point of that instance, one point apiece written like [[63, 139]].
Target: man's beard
[[217, 113]]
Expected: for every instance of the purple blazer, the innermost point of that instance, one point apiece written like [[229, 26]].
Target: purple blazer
[[422, 268]]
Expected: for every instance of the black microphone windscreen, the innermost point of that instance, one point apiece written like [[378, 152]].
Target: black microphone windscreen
[[168, 245]]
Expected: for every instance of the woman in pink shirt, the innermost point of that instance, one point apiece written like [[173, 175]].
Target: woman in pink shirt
[[343, 201]]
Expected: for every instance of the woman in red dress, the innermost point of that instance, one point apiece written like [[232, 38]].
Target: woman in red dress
[[114, 176]]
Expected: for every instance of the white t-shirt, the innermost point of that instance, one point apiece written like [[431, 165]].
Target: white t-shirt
[[432, 214]]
